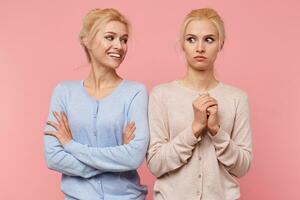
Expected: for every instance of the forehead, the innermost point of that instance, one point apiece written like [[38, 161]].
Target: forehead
[[115, 27], [201, 27]]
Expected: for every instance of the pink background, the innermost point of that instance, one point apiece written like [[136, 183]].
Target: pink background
[[39, 48]]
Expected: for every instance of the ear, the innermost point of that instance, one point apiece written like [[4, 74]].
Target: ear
[[85, 41], [182, 46], [221, 46]]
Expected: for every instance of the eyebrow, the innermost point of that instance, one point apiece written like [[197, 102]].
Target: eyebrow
[[208, 35], [110, 32]]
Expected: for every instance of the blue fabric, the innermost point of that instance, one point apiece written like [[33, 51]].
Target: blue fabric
[[95, 164]]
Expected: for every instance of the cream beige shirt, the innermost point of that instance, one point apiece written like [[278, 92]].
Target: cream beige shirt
[[190, 168]]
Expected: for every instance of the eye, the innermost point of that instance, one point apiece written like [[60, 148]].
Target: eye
[[109, 37], [191, 39], [210, 40], [124, 40]]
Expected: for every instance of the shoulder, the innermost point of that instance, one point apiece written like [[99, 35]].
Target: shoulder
[[64, 87], [134, 87], [133, 91], [234, 94], [67, 84], [162, 89], [234, 91]]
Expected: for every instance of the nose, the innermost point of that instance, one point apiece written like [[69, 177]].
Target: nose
[[117, 44], [200, 47]]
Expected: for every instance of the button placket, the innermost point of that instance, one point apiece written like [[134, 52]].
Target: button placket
[[95, 115], [200, 179]]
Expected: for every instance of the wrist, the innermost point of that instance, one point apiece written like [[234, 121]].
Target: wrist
[[65, 141], [214, 130], [198, 129]]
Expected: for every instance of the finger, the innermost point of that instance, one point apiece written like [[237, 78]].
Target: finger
[[132, 128], [198, 102], [57, 117], [63, 118], [201, 105], [52, 133], [213, 106], [132, 124], [131, 137], [61, 124], [129, 134], [202, 96], [203, 100], [208, 104], [206, 99], [212, 109], [53, 124], [65, 121], [129, 126]]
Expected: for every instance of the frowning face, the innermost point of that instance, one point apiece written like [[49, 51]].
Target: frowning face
[[201, 44]]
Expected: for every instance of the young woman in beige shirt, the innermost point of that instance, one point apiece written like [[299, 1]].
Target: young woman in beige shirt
[[200, 135]]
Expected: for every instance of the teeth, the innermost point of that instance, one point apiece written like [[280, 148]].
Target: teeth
[[115, 55]]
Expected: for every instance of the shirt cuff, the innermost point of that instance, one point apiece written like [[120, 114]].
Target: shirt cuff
[[220, 137], [190, 138], [71, 146]]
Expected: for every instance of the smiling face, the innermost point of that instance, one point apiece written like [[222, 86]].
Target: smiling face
[[109, 46], [201, 44]]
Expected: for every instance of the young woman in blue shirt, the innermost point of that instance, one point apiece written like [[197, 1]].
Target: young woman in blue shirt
[[97, 129]]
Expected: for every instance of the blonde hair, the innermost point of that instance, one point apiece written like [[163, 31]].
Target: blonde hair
[[205, 13], [94, 20]]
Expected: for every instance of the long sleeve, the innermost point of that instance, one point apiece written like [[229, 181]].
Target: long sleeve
[[165, 155], [123, 157], [56, 157], [235, 153]]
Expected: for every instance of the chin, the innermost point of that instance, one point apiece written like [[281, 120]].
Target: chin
[[202, 67], [113, 65]]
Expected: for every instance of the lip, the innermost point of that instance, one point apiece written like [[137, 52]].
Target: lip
[[115, 57], [200, 58]]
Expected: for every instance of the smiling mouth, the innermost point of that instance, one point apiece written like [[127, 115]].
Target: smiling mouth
[[115, 55]]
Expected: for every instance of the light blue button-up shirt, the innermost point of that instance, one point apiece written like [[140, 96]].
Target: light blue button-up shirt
[[95, 164]]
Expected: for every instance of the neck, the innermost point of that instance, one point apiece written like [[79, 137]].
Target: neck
[[200, 80], [102, 77]]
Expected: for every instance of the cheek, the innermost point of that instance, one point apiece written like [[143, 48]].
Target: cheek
[[188, 50], [100, 49], [125, 48], [213, 52]]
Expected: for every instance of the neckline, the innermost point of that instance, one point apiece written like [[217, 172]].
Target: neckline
[[119, 86], [195, 91]]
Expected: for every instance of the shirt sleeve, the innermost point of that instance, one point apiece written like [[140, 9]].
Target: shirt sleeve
[[235, 152], [56, 157], [165, 155], [124, 157]]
